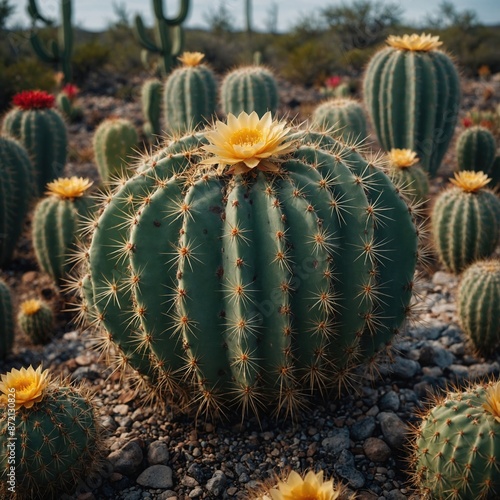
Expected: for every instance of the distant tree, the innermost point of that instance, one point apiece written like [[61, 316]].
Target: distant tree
[[122, 15], [6, 10], [447, 16], [220, 21], [272, 18]]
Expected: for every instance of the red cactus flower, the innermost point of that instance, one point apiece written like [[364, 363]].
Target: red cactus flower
[[333, 81], [70, 90], [467, 122], [33, 99]]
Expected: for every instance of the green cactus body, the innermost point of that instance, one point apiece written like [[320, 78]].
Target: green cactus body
[[6, 320], [67, 108], [476, 149], [251, 88], [189, 97], [151, 107], [248, 289], [16, 191], [413, 99], [479, 304], [456, 448], [42, 132], [343, 117], [115, 141], [495, 173], [465, 226], [36, 320]]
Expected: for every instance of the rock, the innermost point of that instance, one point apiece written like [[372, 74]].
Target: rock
[[443, 279], [338, 442], [195, 470], [483, 370], [395, 495], [346, 469], [216, 484], [196, 492], [376, 450], [158, 453], [156, 476], [402, 368], [389, 401], [459, 371], [127, 459], [189, 481], [363, 429], [121, 409], [394, 429]]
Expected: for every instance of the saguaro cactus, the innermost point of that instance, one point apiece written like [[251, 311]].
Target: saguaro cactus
[[168, 33], [412, 93], [151, 107], [476, 150], [6, 320], [59, 52]]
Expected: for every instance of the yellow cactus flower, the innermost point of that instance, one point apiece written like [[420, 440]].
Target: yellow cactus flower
[[402, 158], [492, 404], [421, 43], [247, 142], [30, 307], [68, 188], [191, 58], [27, 385], [470, 181]]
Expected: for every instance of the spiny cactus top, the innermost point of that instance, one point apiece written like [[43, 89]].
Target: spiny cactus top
[[33, 99]]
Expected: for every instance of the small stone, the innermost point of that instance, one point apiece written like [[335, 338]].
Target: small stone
[[156, 476], [338, 442], [196, 492], [443, 279], [376, 450], [158, 453], [346, 469], [483, 370], [121, 409], [404, 368], [216, 484], [459, 371], [127, 459], [363, 429], [395, 495], [393, 428], [195, 470], [389, 401], [189, 481], [83, 360]]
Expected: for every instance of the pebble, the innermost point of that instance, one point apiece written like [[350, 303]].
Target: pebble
[[158, 453], [389, 401], [337, 442], [127, 460], [345, 468], [395, 431], [363, 428], [156, 476], [376, 449], [216, 484]]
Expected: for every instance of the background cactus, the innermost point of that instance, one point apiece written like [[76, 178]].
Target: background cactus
[[42, 131], [36, 319], [495, 173], [66, 103], [465, 221], [476, 150], [6, 320], [115, 141], [16, 192], [479, 304], [190, 94], [344, 117], [412, 93], [253, 266], [457, 444], [250, 88], [151, 107], [56, 223]]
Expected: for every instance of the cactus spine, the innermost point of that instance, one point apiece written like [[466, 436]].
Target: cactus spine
[[115, 141], [262, 261], [57, 221], [42, 131], [168, 33], [465, 221], [6, 320], [412, 93], [456, 447], [36, 319], [190, 94], [479, 304], [343, 117], [251, 88], [151, 107], [476, 150], [59, 52]]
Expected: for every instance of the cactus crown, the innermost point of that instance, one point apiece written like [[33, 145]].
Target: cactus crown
[[30, 307], [470, 181], [28, 384], [70, 90], [33, 99], [492, 404], [69, 188], [420, 43], [247, 142], [191, 58], [402, 158]]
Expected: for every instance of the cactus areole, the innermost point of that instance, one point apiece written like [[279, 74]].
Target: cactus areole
[[250, 269]]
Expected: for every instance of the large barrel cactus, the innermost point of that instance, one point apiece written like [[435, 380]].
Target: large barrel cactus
[[277, 272], [412, 93]]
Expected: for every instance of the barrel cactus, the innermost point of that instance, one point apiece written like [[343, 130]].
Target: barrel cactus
[[58, 439], [495, 173], [412, 93], [465, 221], [456, 447], [36, 319], [476, 149], [16, 193], [250, 88], [190, 94], [115, 141], [246, 284], [66, 103], [42, 131], [6, 320], [151, 107], [57, 220], [344, 117]]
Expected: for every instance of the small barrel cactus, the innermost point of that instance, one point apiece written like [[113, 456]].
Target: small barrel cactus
[[479, 304], [6, 320], [50, 437], [405, 171], [16, 193], [412, 93], [465, 221], [57, 221], [115, 141], [42, 131], [250, 88], [66, 103], [250, 282], [457, 445], [343, 117], [36, 319], [190, 94], [151, 107], [476, 149]]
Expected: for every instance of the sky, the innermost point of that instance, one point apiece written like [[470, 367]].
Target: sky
[[98, 14]]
